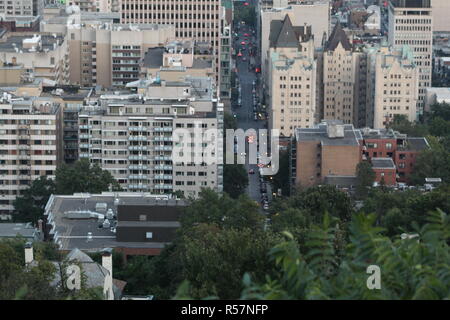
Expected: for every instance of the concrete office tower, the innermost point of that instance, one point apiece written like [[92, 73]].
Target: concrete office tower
[[30, 145], [441, 11], [411, 23], [340, 68], [110, 55], [393, 88], [21, 7], [312, 13], [200, 20], [292, 77], [131, 136]]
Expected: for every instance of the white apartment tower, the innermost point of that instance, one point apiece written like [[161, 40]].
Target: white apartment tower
[[411, 23], [131, 136]]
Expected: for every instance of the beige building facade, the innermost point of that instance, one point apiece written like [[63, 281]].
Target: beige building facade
[[395, 86], [43, 55], [30, 145], [292, 78], [413, 26], [111, 56], [340, 68]]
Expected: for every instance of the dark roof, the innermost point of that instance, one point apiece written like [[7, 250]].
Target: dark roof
[[11, 230], [382, 163], [338, 36], [341, 181], [284, 35], [416, 144], [411, 3], [154, 57]]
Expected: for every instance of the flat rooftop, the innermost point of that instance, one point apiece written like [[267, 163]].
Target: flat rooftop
[[382, 163], [319, 133], [11, 230], [415, 144], [72, 233], [12, 42]]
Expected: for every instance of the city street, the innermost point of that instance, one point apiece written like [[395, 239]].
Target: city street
[[244, 113]]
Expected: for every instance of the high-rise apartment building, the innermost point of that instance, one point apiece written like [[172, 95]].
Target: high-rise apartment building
[[411, 23], [292, 71], [131, 136], [30, 145], [21, 7], [393, 85], [314, 13], [340, 69], [110, 55]]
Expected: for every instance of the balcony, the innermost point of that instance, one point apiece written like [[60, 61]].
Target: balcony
[[138, 186], [137, 138], [163, 158], [140, 129], [163, 148], [85, 145], [137, 158], [137, 167], [163, 186], [23, 126], [84, 155], [24, 147], [160, 138], [24, 157], [23, 136], [137, 148], [138, 177], [163, 167], [85, 136], [85, 126], [166, 129], [163, 177]]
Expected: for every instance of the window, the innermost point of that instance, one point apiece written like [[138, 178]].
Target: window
[[149, 235], [142, 217]]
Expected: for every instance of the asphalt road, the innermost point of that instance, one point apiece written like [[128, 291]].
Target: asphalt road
[[244, 113]]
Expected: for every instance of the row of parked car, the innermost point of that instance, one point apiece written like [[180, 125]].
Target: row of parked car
[[264, 196]]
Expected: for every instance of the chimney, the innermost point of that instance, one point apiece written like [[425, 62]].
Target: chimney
[[40, 223], [28, 253], [107, 264]]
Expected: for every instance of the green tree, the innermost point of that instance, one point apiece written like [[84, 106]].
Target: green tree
[[214, 260], [432, 163], [280, 180], [410, 269], [222, 211], [235, 179], [29, 206], [365, 178], [317, 201], [83, 176]]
